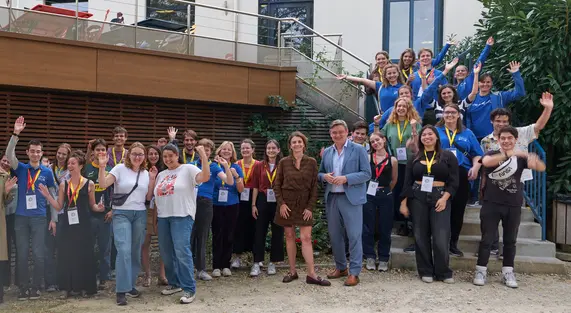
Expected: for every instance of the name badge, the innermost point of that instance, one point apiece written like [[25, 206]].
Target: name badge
[[72, 216], [195, 193], [401, 154], [427, 182], [245, 195], [271, 195], [31, 203], [372, 190], [222, 195], [152, 203], [453, 150], [526, 175]]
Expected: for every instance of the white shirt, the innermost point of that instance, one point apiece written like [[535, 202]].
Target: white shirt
[[338, 159], [125, 179], [175, 192]]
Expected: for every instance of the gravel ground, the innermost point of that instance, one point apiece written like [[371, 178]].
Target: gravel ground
[[396, 291]]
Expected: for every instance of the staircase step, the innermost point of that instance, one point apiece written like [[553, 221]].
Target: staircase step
[[523, 264], [469, 245], [529, 230], [473, 212]]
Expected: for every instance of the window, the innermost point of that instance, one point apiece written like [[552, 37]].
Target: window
[[412, 23], [170, 11], [300, 9]]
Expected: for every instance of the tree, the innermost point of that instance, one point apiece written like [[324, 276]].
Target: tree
[[536, 33]]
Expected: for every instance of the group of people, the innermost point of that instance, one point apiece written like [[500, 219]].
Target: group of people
[[105, 202], [428, 174]]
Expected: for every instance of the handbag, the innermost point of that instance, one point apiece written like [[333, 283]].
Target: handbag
[[119, 199]]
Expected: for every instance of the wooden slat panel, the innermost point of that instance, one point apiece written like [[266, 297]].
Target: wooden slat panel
[[56, 116]]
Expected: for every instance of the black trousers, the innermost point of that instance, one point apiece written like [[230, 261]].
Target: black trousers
[[266, 214], [245, 228], [223, 225], [490, 216], [458, 205], [431, 233], [396, 193]]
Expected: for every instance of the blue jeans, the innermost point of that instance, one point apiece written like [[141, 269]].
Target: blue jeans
[[378, 212], [175, 251], [343, 216], [102, 235], [129, 235], [34, 227]]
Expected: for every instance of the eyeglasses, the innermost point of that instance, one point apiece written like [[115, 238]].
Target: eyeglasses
[[138, 155]]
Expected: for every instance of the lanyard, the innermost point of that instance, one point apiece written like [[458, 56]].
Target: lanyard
[[401, 134], [249, 171], [32, 182], [429, 163], [74, 194], [115, 157], [273, 176], [451, 139], [379, 171], [404, 72], [58, 171], [380, 75], [184, 156]]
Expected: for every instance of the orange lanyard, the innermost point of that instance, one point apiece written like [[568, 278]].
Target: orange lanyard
[[32, 182]]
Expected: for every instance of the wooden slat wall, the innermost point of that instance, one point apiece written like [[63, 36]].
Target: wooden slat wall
[[59, 116]]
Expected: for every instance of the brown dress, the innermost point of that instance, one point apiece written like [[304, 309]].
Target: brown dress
[[297, 189]]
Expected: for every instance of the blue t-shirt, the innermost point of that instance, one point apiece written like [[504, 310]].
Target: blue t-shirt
[[206, 189], [466, 140], [233, 194], [387, 95], [45, 177]]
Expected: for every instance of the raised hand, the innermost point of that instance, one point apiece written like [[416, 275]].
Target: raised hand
[[10, 183], [201, 152], [514, 66], [153, 173], [44, 190], [413, 123], [377, 118], [451, 39], [450, 66], [172, 133], [341, 76], [546, 100], [423, 70], [477, 68], [103, 159], [234, 173], [19, 125], [490, 41], [221, 161]]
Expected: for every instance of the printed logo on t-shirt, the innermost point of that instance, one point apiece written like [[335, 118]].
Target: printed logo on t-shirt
[[166, 186], [503, 175]]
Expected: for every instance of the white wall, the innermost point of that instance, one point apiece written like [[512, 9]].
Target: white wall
[[460, 17]]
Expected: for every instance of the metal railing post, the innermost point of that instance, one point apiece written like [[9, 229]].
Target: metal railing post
[[136, 20], [188, 26], [77, 20], [10, 12], [279, 38]]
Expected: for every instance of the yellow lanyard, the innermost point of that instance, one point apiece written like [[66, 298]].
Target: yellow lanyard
[[58, 171], [273, 177], [184, 156], [401, 134], [74, 194], [429, 163], [249, 171], [115, 157], [380, 75], [405, 74], [451, 139]]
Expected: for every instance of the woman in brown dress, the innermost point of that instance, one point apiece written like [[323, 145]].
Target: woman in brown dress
[[296, 194]]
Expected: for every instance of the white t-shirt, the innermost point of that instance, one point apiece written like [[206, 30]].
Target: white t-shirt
[[175, 193], [125, 179]]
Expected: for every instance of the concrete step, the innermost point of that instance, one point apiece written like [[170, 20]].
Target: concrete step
[[529, 230], [469, 245], [474, 213], [523, 264]]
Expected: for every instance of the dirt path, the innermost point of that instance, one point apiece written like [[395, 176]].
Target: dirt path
[[378, 292]]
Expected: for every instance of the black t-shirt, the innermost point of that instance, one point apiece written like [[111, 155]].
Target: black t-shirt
[[386, 175], [503, 182]]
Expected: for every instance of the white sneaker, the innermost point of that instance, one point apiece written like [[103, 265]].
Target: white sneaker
[[480, 276], [427, 279], [271, 269], [383, 266], [187, 298], [235, 263], [226, 272], [170, 290], [216, 273], [255, 271], [202, 275], [371, 264], [508, 277], [261, 264], [448, 280]]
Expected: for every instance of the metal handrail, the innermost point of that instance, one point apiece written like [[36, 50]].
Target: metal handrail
[[535, 191], [286, 19]]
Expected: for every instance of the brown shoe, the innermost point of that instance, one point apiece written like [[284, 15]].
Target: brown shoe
[[317, 281], [352, 280], [338, 273], [290, 277]]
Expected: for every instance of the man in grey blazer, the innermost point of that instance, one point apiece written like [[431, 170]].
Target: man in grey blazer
[[345, 169]]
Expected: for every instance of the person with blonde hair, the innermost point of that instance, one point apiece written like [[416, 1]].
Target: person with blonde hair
[[226, 206]]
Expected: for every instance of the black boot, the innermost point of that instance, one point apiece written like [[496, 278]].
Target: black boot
[[454, 251]]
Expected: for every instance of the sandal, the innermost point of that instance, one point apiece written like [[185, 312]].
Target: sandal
[[290, 277], [147, 281]]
